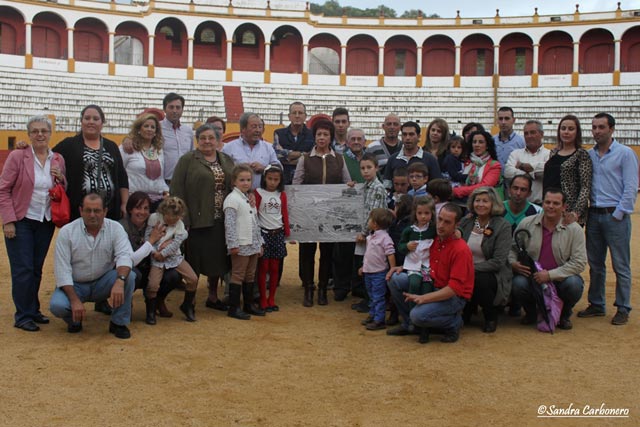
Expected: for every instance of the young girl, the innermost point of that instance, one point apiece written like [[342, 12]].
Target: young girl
[[415, 243], [244, 243], [167, 255], [456, 160], [379, 258], [273, 218]]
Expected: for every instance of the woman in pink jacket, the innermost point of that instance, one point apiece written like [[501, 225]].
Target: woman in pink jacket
[[484, 168], [25, 208]]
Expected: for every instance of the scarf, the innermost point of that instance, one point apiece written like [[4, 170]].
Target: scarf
[[477, 163]]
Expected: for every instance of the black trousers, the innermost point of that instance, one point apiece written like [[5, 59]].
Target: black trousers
[[307, 263]]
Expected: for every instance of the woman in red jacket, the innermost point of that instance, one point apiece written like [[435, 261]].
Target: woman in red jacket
[[484, 168]]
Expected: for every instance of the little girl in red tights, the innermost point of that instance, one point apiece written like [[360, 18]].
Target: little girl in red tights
[[273, 218]]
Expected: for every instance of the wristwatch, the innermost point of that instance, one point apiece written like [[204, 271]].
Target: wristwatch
[[122, 277]]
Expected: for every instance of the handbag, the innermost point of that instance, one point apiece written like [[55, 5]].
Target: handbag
[[60, 206]]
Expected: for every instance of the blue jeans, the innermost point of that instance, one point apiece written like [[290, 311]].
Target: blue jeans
[[26, 253], [569, 290], [442, 314], [376, 288], [604, 231], [98, 290]]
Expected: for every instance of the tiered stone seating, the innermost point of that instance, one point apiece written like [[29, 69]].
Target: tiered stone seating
[[26, 92]]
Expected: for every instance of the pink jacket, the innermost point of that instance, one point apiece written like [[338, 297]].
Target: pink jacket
[[16, 183], [490, 178]]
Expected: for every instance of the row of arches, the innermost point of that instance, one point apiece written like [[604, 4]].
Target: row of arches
[[283, 52]]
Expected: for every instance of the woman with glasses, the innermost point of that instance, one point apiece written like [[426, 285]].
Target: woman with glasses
[[25, 208]]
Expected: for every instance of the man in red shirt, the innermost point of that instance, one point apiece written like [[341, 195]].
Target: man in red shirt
[[453, 275]]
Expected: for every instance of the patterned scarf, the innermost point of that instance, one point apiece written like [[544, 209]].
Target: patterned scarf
[[478, 163]]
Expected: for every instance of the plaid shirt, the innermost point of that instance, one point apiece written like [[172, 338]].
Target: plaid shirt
[[375, 196]]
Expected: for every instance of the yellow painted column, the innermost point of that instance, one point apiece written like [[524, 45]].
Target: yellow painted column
[[112, 63], [575, 75], [28, 57], [267, 62], [305, 64], [151, 72], [190, 59], [456, 76], [343, 65], [71, 62], [229, 71]]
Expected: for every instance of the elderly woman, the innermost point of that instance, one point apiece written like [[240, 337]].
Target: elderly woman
[[320, 166], [484, 168], [569, 168], [25, 208], [488, 235], [437, 142], [135, 224], [202, 178], [145, 164], [94, 165]]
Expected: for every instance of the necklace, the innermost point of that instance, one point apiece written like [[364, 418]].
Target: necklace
[[150, 153], [477, 226]]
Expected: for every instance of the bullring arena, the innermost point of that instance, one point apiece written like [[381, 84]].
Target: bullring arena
[[314, 366]]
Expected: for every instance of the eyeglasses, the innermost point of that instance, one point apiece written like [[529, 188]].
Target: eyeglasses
[[36, 132]]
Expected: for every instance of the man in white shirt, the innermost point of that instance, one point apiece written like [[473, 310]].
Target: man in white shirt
[[250, 148], [529, 160], [93, 260], [178, 138]]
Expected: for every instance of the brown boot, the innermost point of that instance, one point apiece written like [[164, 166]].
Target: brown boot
[[161, 307], [322, 294], [308, 295]]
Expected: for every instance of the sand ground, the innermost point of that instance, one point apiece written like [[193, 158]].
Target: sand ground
[[310, 367]]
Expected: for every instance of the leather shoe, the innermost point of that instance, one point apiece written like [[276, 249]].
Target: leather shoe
[[565, 324], [451, 336], [41, 319], [120, 331], [29, 326], [375, 326], [490, 326], [398, 331], [74, 327]]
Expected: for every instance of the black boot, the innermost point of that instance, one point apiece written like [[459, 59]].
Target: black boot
[[151, 311], [308, 295], [322, 294], [234, 303], [247, 296], [188, 306]]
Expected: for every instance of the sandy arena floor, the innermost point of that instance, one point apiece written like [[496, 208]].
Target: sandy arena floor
[[310, 367]]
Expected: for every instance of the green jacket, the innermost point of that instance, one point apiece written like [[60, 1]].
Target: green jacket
[[495, 248], [193, 182]]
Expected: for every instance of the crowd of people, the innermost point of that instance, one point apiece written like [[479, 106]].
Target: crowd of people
[[438, 245]]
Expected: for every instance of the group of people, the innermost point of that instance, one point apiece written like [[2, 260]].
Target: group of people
[[437, 242]]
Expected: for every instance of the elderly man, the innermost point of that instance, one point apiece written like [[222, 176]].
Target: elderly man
[[614, 190], [354, 152], [453, 275], [93, 260], [507, 139], [559, 249], [178, 138], [250, 148], [410, 153], [529, 160], [390, 142], [293, 141]]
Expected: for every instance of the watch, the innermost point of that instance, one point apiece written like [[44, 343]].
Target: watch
[[122, 277]]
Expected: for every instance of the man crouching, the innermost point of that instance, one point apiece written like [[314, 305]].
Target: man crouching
[[93, 263]]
